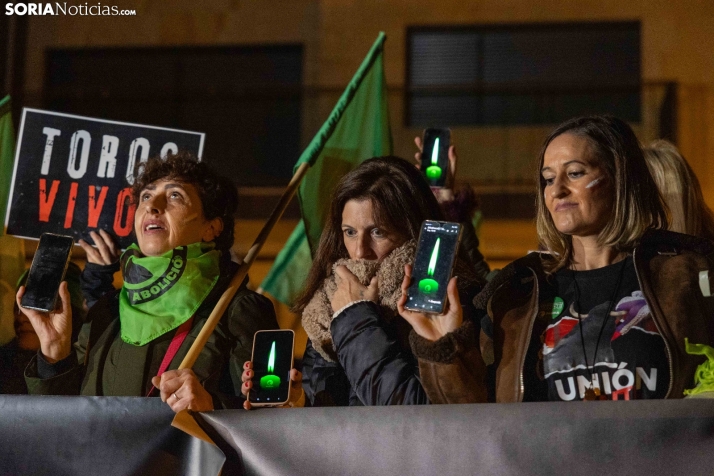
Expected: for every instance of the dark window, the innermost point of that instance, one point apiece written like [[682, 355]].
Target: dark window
[[522, 74], [246, 99]]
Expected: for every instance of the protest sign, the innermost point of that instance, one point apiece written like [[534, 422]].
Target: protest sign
[[73, 174]]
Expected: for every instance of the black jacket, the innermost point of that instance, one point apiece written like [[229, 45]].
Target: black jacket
[[375, 365]]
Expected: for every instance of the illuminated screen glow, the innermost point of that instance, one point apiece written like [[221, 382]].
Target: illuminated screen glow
[[435, 152], [434, 257], [271, 359]]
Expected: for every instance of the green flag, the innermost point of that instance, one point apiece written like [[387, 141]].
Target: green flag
[[12, 250], [357, 129], [7, 152]]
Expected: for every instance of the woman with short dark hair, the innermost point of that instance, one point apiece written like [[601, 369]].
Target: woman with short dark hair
[[173, 277], [604, 312]]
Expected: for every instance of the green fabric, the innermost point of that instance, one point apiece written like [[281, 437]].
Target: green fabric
[[704, 375], [12, 250], [286, 277], [162, 292], [356, 130], [7, 153]]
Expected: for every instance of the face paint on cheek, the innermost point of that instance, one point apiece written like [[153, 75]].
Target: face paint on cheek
[[189, 218], [594, 182]]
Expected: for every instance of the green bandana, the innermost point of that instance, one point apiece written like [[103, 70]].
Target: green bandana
[[162, 292]]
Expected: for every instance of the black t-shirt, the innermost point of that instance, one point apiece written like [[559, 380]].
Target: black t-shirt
[[631, 361]]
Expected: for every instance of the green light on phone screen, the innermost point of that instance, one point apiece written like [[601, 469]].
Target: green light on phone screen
[[435, 152], [428, 285], [270, 381], [271, 359], [434, 171]]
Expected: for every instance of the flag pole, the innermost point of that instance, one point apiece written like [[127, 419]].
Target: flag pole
[[242, 272]]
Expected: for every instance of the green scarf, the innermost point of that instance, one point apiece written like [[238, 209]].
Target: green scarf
[[162, 292]]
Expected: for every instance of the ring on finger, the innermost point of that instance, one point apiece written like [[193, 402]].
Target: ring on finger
[[176, 397]]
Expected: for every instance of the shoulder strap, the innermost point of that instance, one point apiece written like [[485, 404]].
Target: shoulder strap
[[174, 346]]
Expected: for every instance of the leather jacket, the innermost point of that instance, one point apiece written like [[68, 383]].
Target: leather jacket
[[485, 360]]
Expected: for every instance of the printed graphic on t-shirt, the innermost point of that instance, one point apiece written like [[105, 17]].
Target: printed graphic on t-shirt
[[630, 362]]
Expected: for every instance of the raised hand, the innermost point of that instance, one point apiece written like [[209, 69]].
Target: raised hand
[[432, 326], [54, 329], [106, 251], [453, 159]]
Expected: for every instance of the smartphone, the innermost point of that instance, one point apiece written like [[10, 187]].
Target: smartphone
[[272, 360], [433, 264], [47, 272], [435, 155]]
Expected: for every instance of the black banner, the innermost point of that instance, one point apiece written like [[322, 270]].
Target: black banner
[[563, 438], [73, 174], [127, 436], [98, 435]]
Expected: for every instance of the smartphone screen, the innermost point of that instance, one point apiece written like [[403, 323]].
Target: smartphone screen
[[47, 272], [272, 361], [435, 156], [436, 251]]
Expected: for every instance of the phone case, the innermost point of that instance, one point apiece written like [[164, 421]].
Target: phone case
[[433, 171], [451, 274], [34, 266], [292, 362]]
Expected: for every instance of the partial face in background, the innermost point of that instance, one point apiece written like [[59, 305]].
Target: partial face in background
[[578, 192], [170, 214], [362, 237], [26, 336]]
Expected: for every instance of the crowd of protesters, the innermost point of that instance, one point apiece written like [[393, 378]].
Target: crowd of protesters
[[603, 311]]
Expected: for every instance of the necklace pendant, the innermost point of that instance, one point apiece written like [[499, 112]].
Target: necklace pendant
[[591, 394]]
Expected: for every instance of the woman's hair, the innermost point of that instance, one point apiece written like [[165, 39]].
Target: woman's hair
[[219, 197], [680, 189], [637, 205], [401, 201]]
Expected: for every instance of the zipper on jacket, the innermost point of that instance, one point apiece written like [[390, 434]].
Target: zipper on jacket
[[659, 329], [536, 290]]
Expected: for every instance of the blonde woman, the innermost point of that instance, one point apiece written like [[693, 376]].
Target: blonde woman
[[604, 313], [680, 189]]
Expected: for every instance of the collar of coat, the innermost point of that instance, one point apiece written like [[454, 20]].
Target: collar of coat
[[653, 241]]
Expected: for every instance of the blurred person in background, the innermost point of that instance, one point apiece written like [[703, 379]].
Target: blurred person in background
[[16, 354], [680, 189]]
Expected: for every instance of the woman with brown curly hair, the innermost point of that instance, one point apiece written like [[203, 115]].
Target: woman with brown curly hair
[[173, 276], [604, 312]]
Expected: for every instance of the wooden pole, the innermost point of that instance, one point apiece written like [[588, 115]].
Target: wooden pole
[[242, 272]]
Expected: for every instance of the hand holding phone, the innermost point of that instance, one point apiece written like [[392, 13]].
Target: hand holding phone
[[432, 326], [435, 156], [54, 329], [433, 264], [272, 362], [38, 298]]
